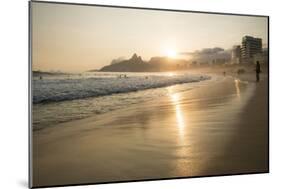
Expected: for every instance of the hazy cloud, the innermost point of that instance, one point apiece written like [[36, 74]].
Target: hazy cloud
[[208, 54]]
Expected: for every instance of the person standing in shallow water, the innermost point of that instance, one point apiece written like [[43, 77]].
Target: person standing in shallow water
[[258, 70]]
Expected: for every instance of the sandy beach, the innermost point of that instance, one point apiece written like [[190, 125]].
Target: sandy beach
[[219, 127]]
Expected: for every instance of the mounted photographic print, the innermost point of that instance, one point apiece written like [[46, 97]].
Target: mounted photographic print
[[121, 94]]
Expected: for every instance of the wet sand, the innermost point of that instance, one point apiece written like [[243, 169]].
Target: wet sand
[[218, 128]]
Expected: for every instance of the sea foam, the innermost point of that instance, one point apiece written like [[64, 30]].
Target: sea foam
[[74, 87]]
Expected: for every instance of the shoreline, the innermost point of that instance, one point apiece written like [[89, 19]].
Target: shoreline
[[174, 136], [95, 96]]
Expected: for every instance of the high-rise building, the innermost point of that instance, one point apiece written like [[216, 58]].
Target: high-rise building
[[250, 47], [261, 57], [236, 54]]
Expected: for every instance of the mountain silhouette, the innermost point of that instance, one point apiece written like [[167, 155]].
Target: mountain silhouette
[[155, 64]]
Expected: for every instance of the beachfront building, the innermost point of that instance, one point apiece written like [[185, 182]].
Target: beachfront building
[[236, 54], [261, 57], [250, 47]]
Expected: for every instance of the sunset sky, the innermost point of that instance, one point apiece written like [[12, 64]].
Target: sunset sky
[[78, 38]]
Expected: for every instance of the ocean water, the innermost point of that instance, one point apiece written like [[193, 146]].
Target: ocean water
[[60, 97]]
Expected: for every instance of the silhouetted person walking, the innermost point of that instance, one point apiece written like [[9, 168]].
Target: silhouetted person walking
[[258, 71]]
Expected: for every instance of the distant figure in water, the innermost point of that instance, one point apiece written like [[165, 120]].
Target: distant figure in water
[[40, 77], [258, 71], [123, 75]]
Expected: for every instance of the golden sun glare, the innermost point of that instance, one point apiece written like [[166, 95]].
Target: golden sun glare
[[171, 53]]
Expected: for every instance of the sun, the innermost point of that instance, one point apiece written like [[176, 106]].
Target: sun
[[171, 53]]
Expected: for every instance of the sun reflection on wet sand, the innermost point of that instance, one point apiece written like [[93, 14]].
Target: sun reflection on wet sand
[[179, 115], [237, 86], [183, 147], [180, 119]]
